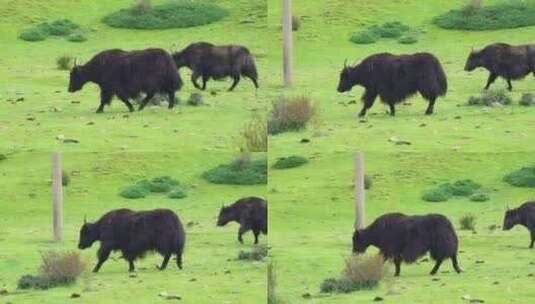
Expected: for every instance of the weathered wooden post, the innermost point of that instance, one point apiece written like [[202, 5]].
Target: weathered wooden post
[[359, 190], [287, 42], [57, 196]]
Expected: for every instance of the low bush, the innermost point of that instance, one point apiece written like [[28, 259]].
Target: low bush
[[254, 134], [179, 14], [445, 191], [157, 185], [64, 62], [290, 162], [474, 17], [61, 27], [465, 187], [527, 100], [524, 177], [479, 197], [436, 195], [57, 269], [360, 272], [33, 34], [468, 222], [408, 39], [178, 194], [389, 29], [258, 253], [76, 38], [133, 192], [252, 172], [290, 114], [491, 98], [364, 37]]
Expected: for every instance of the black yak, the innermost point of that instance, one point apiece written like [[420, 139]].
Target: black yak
[[395, 78], [406, 238], [504, 60], [210, 61], [127, 74], [523, 215], [249, 212], [135, 234]]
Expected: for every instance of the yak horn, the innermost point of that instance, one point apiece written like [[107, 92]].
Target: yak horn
[[85, 219], [345, 63]]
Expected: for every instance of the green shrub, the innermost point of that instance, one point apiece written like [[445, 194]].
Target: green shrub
[[479, 197], [361, 272], [290, 114], [133, 192], [61, 27], [76, 38], [159, 187], [468, 222], [179, 14], [3, 156], [436, 195], [258, 253], [166, 180], [464, 187], [64, 62], [57, 269], [490, 98], [290, 162], [33, 34], [253, 172], [364, 37], [500, 16], [177, 194], [389, 29], [527, 100], [407, 39], [524, 177]]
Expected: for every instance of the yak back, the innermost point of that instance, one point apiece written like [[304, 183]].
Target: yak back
[[251, 211], [508, 60], [396, 77], [527, 214]]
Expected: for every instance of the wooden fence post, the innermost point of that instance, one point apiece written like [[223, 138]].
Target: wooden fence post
[[359, 190], [287, 42], [57, 196]]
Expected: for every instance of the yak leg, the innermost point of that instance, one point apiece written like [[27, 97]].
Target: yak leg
[[204, 81], [105, 98], [368, 98], [131, 267], [437, 266], [146, 100], [255, 82], [165, 261], [124, 99], [179, 260], [194, 76], [431, 106], [392, 109], [242, 230], [256, 233], [456, 264], [171, 96], [397, 263], [509, 85], [532, 239], [103, 254], [492, 78], [235, 83]]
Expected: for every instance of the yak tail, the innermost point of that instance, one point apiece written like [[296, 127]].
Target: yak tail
[[441, 79], [248, 67]]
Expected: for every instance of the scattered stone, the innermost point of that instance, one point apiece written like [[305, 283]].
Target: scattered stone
[[306, 295], [60, 137], [531, 275], [435, 279], [132, 275], [363, 120], [213, 92], [75, 295], [75, 102], [90, 123], [472, 300], [227, 271], [30, 118], [305, 141], [398, 141], [193, 280], [378, 299], [20, 99], [456, 149], [56, 109], [457, 117], [249, 20], [480, 262], [495, 283], [70, 141]]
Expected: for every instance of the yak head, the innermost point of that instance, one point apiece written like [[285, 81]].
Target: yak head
[[474, 61], [77, 79], [179, 59], [360, 244], [346, 82], [226, 215], [511, 218], [89, 233]]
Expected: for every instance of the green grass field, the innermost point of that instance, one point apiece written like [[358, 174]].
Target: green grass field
[[312, 207]]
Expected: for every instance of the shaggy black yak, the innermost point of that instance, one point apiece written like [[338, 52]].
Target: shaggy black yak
[[127, 74], [406, 238], [523, 215], [250, 213], [135, 234], [217, 62], [504, 60], [395, 78]]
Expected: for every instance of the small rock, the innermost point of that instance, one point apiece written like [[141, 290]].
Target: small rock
[[20, 99], [75, 295], [70, 141], [456, 149], [423, 124], [480, 262], [248, 21], [457, 117], [30, 118], [75, 102], [378, 299]]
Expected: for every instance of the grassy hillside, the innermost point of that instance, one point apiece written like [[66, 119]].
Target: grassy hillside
[[312, 210], [211, 274], [28, 70]]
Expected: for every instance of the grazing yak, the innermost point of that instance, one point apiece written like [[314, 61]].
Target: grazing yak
[[394, 78], [406, 238], [127, 74], [504, 60], [523, 215], [249, 212], [210, 61], [135, 234]]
